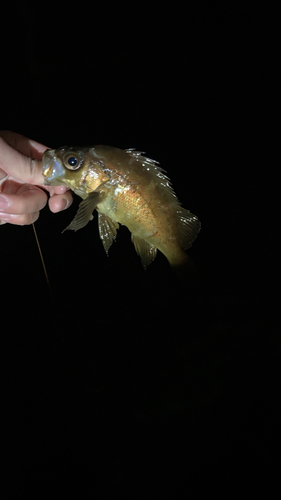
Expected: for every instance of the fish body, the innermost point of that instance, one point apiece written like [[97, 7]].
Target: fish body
[[125, 188]]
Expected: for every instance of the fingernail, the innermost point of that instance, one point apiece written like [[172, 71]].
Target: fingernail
[[3, 202], [2, 222], [64, 204]]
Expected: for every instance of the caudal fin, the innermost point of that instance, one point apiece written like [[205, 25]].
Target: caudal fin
[[182, 265]]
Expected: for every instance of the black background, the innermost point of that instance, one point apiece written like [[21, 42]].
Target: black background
[[128, 380]]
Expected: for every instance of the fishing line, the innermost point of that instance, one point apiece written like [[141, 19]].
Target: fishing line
[[41, 256], [56, 315]]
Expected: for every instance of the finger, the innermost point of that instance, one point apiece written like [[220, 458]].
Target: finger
[[2, 174], [60, 202], [25, 168], [56, 189], [23, 144], [19, 220], [25, 199], [18, 166]]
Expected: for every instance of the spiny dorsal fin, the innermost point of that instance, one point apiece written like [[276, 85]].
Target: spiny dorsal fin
[[108, 230], [157, 173], [146, 251]]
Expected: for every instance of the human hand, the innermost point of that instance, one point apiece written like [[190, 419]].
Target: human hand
[[22, 189]]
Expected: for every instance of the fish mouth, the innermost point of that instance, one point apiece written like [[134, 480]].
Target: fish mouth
[[52, 169]]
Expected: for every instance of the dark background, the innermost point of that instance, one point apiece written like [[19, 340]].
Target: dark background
[[128, 380]]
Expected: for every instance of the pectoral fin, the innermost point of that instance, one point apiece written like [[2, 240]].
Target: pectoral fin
[[146, 251], [85, 210], [108, 230]]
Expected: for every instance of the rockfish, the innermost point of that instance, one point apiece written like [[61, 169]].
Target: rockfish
[[125, 188]]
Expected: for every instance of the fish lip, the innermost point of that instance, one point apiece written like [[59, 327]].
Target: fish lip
[[47, 159], [51, 165], [47, 156]]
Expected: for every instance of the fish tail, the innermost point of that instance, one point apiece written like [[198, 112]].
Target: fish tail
[[178, 258], [182, 265]]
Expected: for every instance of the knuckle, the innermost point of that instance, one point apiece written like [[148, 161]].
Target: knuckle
[[26, 219]]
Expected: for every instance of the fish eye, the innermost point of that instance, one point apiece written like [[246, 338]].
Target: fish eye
[[72, 161]]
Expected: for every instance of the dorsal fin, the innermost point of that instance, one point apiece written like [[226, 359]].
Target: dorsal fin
[[157, 173], [188, 226]]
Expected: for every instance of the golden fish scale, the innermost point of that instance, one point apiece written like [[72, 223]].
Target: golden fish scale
[[140, 207]]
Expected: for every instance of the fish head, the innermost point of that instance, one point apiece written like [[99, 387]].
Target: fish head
[[80, 169], [63, 166]]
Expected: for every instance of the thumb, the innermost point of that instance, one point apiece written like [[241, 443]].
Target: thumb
[[19, 166]]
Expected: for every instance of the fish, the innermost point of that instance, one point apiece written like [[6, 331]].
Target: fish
[[124, 187]]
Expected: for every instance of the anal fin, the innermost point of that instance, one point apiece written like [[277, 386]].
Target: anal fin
[[108, 230], [146, 251]]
